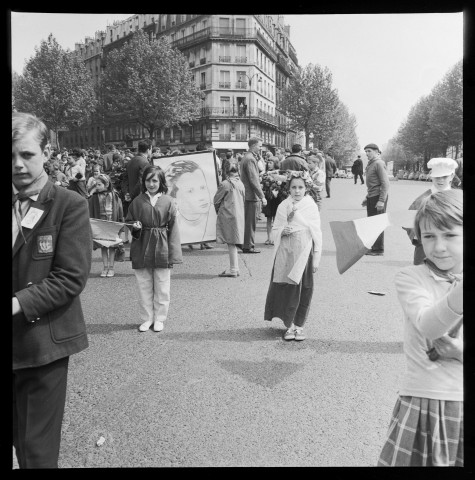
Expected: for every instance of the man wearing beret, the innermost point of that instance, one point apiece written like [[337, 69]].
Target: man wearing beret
[[377, 185], [51, 259]]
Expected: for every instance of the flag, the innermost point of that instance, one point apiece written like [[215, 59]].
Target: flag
[[354, 238], [106, 233]]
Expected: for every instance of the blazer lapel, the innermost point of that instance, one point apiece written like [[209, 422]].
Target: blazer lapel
[[44, 203]]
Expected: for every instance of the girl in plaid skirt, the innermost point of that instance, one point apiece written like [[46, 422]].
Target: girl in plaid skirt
[[426, 428]]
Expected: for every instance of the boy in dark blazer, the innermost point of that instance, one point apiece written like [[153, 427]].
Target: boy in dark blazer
[[51, 260]]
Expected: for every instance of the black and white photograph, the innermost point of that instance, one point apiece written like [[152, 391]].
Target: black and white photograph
[[237, 239]]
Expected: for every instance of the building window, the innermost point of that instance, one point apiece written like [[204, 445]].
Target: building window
[[241, 80], [225, 105], [203, 80], [224, 52], [241, 54], [224, 79], [224, 26], [241, 131], [240, 26], [224, 130]]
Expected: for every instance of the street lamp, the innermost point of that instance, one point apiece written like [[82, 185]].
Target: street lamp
[[250, 82]]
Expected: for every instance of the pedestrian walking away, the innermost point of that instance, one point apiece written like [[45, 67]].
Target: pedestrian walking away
[[377, 185], [330, 169], [297, 252], [229, 205], [295, 161], [442, 174], [253, 192], [51, 260], [155, 247], [426, 428], [357, 169]]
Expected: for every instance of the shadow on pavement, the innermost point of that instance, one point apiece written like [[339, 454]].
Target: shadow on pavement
[[193, 276], [104, 328], [391, 263]]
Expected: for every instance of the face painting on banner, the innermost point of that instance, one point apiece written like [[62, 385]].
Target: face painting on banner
[[192, 180]]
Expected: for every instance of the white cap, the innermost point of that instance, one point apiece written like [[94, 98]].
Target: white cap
[[441, 167]]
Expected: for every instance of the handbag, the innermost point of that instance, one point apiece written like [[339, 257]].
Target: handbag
[[119, 254]]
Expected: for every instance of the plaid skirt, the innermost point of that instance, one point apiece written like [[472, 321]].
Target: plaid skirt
[[424, 433]]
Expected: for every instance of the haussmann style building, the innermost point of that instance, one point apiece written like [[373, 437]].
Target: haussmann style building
[[240, 63]]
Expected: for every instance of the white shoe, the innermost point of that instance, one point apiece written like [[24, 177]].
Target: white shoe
[[145, 326], [157, 326]]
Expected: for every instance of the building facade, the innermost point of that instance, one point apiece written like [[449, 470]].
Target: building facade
[[241, 63]]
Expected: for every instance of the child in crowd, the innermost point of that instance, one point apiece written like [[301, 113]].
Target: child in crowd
[[91, 182], [426, 428], [105, 204], [155, 247], [229, 205]]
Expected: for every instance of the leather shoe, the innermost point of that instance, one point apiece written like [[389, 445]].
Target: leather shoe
[[250, 250], [228, 274], [375, 254]]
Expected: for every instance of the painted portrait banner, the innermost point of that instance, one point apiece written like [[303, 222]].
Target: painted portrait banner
[[192, 180]]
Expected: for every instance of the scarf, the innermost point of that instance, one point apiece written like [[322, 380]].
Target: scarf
[[452, 278]]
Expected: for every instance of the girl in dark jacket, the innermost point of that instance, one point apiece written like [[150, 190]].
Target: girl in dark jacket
[[155, 247]]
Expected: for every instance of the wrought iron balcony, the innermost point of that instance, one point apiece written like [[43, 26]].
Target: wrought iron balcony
[[202, 86], [225, 136], [240, 60], [241, 85], [224, 84], [238, 112], [226, 58]]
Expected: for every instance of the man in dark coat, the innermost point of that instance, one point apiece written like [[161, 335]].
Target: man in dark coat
[[295, 161], [51, 260], [357, 169], [253, 193], [135, 168], [330, 169]]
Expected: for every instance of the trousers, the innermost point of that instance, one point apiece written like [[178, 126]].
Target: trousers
[[327, 185], [250, 215], [154, 293], [378, 245], [39, 396]]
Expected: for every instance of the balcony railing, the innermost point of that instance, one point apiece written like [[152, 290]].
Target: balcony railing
[[224, 58], [241, 136], [293, 55], [241, 85], [202, 86], [240, 60], [283, 63], [238, 112], [225, 136], [224, 84]]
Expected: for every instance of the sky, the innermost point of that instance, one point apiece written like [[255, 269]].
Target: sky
[[381, 63]]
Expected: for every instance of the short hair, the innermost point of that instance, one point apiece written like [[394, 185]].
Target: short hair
[[253, 141], [175, 170], [111, 146], [143, 146], [55, 164], [155, 149], [116, 156], [97, 166], [23, 123], [443, 209], [229, 155], [77, 152], [296, 148], [151, 170]]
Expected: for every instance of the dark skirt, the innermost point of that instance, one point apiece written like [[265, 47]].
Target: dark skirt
[[291, 303], [270, 209], [424, 433]]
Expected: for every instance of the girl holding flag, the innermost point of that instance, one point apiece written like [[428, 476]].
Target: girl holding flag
[[105, 204], [426, 428]]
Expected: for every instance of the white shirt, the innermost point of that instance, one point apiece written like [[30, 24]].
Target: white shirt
[[154, 198]]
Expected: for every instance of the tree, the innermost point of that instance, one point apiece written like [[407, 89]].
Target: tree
[[56, 87], [310, 102], [446, 113], [393, 152], [343, 142], [148, 82]]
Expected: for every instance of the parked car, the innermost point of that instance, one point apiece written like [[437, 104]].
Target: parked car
[[416, 175], [410, 176], [406, 174]]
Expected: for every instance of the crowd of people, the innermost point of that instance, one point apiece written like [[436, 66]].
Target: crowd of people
[[52, 244]]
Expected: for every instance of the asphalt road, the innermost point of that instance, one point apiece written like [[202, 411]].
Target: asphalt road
[[219, 386]]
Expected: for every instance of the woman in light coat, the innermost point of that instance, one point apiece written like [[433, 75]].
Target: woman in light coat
[[229, 205]]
